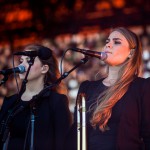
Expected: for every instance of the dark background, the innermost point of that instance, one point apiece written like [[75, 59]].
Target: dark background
[[21, 19], [60, 24]]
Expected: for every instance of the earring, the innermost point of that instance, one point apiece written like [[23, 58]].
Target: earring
[[132, 50], [131, 53]]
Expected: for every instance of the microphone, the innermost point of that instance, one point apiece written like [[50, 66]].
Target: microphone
[[100, 55], [19, 69], [41, 53]]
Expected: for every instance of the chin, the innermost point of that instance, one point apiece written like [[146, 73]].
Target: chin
[[110, 63]]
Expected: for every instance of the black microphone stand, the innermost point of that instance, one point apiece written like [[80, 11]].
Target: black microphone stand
[[32, 117], [24, 82], [65, 74]]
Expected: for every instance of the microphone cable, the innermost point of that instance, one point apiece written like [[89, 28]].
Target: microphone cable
[[61, 72], [15, 76]]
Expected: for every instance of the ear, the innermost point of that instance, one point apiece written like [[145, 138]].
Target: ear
[[131, 53], [44, 69]]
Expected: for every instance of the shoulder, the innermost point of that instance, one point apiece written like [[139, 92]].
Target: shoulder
[[50, 94], [141, 85], [9, 100], [142, 81], [139, 82], [147, 85], [57, 95], [87, 85], [139, 79], [7, 104], [148, 80], [57, 98], [59, 104]]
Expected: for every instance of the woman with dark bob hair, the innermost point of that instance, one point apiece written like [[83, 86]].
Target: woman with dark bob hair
[[51, 111], [118, 105]]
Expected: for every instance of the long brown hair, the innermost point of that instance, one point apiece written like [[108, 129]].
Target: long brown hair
[[53, 73], [129, 70]]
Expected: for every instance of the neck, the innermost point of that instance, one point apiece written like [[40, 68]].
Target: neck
[[32, 88], [113, 72], [112, 77]]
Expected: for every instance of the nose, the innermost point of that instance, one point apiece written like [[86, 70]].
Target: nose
[[24, 64], [108, 45]]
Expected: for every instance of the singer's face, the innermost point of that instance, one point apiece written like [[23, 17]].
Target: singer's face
[[117, 49], [35, 71]]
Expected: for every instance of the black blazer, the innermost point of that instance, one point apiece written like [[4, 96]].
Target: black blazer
[[134, 126], [52, 122]]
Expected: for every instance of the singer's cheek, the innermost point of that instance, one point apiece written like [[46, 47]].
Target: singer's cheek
[[34, 68]]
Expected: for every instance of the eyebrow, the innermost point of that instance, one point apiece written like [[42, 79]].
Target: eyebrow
[[115, 39]]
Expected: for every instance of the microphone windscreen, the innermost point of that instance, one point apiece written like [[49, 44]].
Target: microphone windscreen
[[44, 53], [21, 68]]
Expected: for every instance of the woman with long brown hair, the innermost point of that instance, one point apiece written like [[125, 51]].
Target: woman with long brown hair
[[50, 108], [118, 114]]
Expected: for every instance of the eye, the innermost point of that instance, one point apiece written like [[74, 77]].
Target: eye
[[117, 42], [107, 41], [20, 61], [28, 59]]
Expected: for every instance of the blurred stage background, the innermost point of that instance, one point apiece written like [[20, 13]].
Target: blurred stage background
[[61, 24]]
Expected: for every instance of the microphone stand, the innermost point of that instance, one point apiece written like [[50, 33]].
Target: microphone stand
[[65, 74], [32, 117], [24, 82]]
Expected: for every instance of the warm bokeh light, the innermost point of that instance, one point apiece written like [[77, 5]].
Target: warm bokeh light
[[118, 3], [60, 25]]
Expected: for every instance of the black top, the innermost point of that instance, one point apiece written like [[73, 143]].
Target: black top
[[19, 127], [129, 123], [98, 140], [52, 122]]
